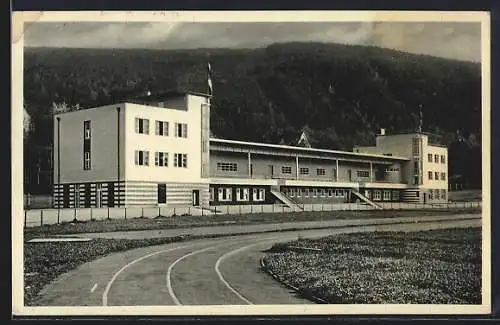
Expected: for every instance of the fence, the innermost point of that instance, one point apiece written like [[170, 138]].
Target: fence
[[39, 217]]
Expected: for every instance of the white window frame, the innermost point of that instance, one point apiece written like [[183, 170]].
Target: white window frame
[[430, 175], [363, 173], [299, 192], [320, 172], [443, 159], [227, 167], [386, 195], [181, 130], [322, 192], [86, 127], [86, 161], [242, 194], [314, 192], [145, 125], [436, 176], [180, 160], [429, 157], [330, 192], [161, 159], [443, 176], [286, 169], [163, 126], [145, 158], [377, 195], [306, 192], [436, 159], [225, 194], [292, 192]]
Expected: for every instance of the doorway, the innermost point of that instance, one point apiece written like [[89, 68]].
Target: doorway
[[196, 198], [349, 175], [162, 193]]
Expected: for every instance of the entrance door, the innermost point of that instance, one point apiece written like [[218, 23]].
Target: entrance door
[[196, 198], [425, 197], [349, 175], [162, 193], [271, 170]]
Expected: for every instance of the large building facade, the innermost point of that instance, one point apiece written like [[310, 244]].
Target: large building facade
[[157, 151]]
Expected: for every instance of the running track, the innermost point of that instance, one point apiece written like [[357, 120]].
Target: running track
[[220, 271]]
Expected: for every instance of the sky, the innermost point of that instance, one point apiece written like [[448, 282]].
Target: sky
[[453, 40]]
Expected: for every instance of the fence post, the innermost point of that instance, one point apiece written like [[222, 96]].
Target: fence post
[[41, 217]]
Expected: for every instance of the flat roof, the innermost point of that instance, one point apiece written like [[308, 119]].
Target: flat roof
[[305, 150]]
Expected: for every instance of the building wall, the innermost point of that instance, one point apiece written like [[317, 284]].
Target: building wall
[[104, 148], [157, 143]]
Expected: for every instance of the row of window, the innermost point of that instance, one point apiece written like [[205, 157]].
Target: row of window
[[436, 176], [315, 192], [437, 158], [225, 194], [437, 194], [161, 128], [161, 159], [384, 195]]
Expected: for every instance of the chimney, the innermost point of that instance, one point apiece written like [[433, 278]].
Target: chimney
[[382, 131]]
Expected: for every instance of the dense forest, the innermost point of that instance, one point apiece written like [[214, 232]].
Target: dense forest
[[340, 94]]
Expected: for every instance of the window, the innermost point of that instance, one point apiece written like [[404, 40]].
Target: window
[[320, 172], [306, 192], [86, 129], [438, 194], [443, 176], [258, 194], [314, 192], [429, 157], [443, 159], [211, 194], [242, 194], [299, 192], [436, 159], [330, 192], [322, 193], [181, 130], [86, 161], [141, 126], [286, 169], [180, 160], [225, 194], [292, 192], [436, 176], [443, 194], [430, 175], [337, 193], [227, 167], [304, 171], [161, 159], [395, 195], [363, 173], [161, 128], [376, 195], [431, 194], [387, 195], [142, 158], [416, 146]]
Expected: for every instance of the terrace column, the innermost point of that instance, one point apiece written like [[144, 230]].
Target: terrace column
[[297, 167], [249, 165], [371, 172], [337, 170]]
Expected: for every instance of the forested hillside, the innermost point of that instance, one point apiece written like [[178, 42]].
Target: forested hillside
[[341, 94]]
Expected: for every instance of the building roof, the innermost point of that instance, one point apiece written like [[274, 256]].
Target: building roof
[[305, 150], [167, 94]]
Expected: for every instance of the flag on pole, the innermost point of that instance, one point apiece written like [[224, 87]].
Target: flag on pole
[[209, 79]]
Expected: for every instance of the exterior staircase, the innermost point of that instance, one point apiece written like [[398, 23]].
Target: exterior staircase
[[365, 199], [286, 200]]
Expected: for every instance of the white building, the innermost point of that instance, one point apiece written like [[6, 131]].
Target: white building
[[157, 150]]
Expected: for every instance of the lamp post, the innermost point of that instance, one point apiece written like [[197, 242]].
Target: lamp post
[[58, 166]]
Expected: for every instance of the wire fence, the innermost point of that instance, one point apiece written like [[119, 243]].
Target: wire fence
[[40, 217]]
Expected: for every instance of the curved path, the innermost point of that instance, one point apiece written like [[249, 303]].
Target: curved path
[[220, 271]]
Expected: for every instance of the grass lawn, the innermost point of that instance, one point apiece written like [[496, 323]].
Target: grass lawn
[[221, 220], [428, 267]]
